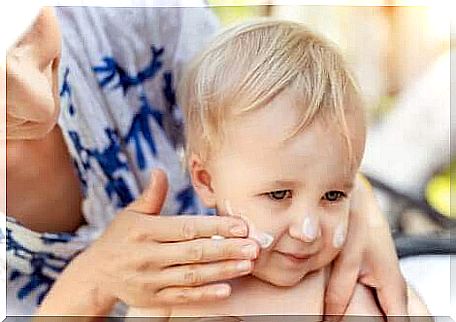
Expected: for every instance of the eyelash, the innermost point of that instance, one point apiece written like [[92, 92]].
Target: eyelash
[[340, 195], [286, 194]]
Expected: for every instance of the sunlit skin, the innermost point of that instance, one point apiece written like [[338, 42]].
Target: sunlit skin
[[36, 153], [32, 70], [277, 183]]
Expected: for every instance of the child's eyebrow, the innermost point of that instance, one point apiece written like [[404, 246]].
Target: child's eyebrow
[[348, 185], [345, 185], [291, 184], [274, 184]]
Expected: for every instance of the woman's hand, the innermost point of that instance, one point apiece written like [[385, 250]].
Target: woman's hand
[[145, 260], [369, 256]]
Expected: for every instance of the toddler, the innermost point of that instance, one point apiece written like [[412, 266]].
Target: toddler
[[275, 134]]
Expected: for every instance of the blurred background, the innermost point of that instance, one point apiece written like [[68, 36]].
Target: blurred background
[[401, 53]]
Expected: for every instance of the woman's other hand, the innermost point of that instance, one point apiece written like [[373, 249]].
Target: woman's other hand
[[368, 256], [146, 260], [32, 100]]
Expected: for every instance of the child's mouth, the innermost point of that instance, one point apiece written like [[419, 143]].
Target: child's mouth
[[295, 258]]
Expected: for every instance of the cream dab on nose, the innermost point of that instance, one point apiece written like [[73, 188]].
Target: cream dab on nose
[[310, 228]]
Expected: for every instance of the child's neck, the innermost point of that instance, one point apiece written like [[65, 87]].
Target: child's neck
[[251, 295]]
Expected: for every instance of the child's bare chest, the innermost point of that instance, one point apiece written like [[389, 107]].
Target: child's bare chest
[[251, 297]]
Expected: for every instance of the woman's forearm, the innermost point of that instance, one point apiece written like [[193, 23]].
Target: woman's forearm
[[43, 189]]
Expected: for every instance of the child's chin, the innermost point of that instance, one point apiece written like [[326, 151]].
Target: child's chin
[[279, 279]]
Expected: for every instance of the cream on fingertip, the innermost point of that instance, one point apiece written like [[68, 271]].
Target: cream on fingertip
[[264, 239]]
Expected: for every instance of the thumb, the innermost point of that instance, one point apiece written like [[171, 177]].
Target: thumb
[[152, 199]]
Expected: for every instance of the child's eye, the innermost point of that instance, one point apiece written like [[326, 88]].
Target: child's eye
[[333, 195], [279, 194]]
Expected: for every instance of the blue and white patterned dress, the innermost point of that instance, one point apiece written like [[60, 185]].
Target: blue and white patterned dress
[[120, 120]]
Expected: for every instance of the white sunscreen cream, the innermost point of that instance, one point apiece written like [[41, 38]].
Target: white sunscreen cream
[[264, 239], [339, 235], [310, 229]]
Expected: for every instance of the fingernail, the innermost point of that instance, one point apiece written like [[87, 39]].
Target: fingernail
[[249, 251], [244, 266], [239, 231], [309, 229], [222, 291]]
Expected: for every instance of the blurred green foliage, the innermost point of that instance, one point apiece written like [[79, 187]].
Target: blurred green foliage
[[237, 11]]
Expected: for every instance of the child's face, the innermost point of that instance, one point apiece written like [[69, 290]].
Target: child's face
[[277, 184]]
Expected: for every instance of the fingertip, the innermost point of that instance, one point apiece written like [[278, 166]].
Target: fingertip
[[223, 291], [158, 185], [153, 196], [158, 177]]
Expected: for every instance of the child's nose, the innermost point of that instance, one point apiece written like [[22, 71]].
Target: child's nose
[[305, 227]]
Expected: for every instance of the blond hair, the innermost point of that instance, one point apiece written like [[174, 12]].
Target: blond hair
[[248, 65]]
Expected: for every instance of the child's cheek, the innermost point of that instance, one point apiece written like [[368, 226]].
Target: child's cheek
[[263, 218], [335, 225], [333, 234]]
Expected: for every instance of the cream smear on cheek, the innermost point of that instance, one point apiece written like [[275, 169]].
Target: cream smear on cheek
[[340, 234], [264, 239]]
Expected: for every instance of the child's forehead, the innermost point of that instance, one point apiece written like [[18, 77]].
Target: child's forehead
[[280, 114], [272, 122], [263, 133], [316, 156]]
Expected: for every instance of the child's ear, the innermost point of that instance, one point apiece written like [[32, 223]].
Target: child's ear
[[201, 180]]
